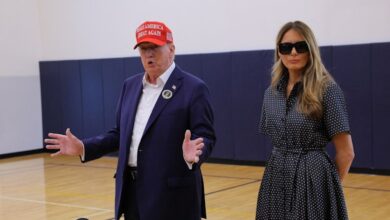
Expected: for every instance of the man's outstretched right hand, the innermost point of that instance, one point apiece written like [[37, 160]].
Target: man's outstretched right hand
[[67, 144]]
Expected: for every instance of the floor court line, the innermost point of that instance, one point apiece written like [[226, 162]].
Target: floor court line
[[54, 203], [81, 165], [229, 188], [19, 170], [369, 189], [231, 177], [97, 214]]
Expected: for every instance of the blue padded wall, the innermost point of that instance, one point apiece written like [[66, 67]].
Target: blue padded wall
[[71, 94], [191, 63], [92, 96], [380, 60], [132, 66], [51, 97], [217, 73], [83, 95], [327, 57], [250, 77], [351, 70], [113, 77]]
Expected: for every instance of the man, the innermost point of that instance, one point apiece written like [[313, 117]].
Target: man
[[164, 131]]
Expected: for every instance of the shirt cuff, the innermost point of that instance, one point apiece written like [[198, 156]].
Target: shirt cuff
[[82, 156], [189, 165]]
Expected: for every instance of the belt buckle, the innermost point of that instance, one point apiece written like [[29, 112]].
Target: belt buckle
[[133, 174]]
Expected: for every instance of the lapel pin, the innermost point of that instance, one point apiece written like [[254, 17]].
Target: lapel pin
[[174, 87], [167, 94]]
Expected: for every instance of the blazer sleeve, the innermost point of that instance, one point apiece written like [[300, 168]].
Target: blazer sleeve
[[202, 120]]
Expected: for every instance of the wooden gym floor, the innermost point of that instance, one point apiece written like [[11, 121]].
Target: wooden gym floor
[[40, 187]]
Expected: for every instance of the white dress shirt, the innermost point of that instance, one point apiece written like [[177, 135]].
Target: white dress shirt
[[149, 96]]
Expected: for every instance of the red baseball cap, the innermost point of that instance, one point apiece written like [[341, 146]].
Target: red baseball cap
[[153, 32]]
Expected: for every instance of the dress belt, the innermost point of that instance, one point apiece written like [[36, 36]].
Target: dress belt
[[297, 150], [290, 191]]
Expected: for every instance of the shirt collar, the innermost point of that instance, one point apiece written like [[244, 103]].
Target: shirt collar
[[163, 78], [282, 84]]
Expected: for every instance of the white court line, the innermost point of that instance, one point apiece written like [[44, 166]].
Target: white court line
[[54, 203], [96, 214]]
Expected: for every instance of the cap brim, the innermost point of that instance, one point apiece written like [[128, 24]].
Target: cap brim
[[150, 40]]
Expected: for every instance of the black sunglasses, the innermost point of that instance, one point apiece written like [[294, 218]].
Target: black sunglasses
[[300, 47]]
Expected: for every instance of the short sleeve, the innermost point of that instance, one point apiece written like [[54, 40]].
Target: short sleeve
[[335, 111]]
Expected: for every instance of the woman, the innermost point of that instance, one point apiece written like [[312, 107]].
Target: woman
[[303, 110]]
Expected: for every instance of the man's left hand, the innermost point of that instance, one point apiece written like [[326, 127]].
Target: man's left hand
[[192, 149]]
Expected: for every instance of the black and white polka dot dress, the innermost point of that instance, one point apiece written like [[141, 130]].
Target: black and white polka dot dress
[[300, 180]]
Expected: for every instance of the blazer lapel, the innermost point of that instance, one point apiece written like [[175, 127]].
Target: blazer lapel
[[132, 109], [172, 86]]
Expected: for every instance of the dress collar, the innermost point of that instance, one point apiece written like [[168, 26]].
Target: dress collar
[[282, 84]]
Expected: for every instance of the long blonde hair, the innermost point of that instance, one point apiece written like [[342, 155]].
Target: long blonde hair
[[315, 77]]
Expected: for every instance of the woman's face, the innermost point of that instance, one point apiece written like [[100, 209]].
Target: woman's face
[[296, 60]]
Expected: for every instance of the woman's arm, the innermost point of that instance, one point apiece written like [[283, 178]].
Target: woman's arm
[[344, 153]]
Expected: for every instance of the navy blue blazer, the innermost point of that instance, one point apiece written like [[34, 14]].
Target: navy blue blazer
[[166, 187]]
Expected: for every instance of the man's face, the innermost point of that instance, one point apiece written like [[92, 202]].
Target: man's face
[[156, 59]]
